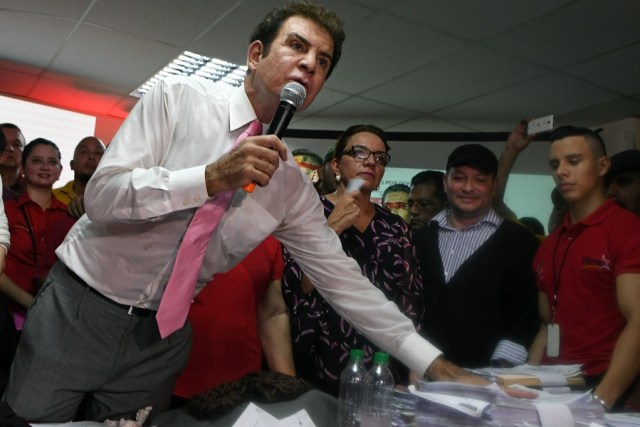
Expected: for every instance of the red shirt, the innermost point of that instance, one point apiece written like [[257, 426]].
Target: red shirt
[[580, 262], [49, 228], [224, 322]]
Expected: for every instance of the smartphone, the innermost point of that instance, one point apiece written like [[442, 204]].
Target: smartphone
[[541, 124]]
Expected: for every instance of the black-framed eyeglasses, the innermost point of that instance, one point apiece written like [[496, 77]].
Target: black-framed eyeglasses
[[362, 153]]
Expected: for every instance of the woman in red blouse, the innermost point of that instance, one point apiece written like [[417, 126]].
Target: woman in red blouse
[[38, 223]]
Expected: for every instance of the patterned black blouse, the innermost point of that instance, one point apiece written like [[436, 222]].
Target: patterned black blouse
[[321, 338]]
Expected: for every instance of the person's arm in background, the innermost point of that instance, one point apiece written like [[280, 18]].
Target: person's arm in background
[[536, 350], [624, 366], [274, 331], [14, 292], [522, 296], [517, 142]]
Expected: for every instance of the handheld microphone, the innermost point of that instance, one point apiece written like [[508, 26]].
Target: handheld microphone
[[291, 98]]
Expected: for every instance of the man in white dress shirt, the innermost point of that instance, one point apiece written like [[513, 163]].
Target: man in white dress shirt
[[92, 330]]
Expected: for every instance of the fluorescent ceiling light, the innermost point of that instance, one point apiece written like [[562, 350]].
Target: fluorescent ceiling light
[[189, 63]]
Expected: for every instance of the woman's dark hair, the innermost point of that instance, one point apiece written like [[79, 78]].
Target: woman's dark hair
[[268, 28], [38, 141], [342, 141]]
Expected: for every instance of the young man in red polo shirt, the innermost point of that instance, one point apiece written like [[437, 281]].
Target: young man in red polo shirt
[[588, 274]]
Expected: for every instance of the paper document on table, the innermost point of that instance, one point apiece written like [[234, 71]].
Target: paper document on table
[[466, 405], [254, 416], [536, 376], [299, 419]]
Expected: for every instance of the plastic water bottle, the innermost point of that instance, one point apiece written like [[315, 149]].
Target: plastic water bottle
[[378, 395], [351, 390]]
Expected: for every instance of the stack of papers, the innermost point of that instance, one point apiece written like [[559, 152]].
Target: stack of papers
[[445, 404], [536, 376]]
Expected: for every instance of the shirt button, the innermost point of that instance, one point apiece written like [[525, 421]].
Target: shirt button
[[196, 199], [185, 202]]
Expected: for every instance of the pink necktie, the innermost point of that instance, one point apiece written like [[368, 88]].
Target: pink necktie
[[178, 293]]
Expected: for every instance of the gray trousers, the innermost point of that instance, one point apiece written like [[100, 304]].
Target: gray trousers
[[75, 345]]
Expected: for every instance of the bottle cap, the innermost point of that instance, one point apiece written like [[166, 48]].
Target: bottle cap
[[381, 357], [356, 354]]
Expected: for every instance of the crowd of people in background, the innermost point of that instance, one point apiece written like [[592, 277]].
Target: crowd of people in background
[[286, 281]]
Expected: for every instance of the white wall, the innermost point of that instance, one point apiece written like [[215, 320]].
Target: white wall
[[65, 128]]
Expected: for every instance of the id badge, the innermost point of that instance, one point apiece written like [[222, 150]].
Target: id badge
[[553, 340]]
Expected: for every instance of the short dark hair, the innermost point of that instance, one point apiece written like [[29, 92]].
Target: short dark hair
[[431, 177], [344, 138], [533, 224], [38, 141], [592, 137], [10, 126], [268, 28], [392, 188]]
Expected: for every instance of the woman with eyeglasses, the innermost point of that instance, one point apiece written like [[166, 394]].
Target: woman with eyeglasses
[[380, 243]]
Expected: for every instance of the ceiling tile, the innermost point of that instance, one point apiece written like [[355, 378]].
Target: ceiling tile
[[32, 39], [173, 22], [66, 9], [465, 75], [602, 113], [573, 33], [82, 99], [90, 54], [599, 70], [325, 99], [384, 48], [354, 111], [475, 20], [552, 94], [16, 83]]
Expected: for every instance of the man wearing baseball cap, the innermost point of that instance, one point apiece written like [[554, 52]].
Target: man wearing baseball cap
[[478, 280], [623, 180]]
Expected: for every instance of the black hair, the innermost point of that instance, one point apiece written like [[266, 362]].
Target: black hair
[[38, 141], [593, 138], [431, 177], [533, 224], [392, 188], [10, 126], [344, 138], [268, 28]]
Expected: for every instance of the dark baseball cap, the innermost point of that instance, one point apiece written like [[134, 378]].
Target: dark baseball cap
[[474, 155], [625, 161]]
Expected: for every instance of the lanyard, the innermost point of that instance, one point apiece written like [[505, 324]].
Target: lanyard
[[558, 273]]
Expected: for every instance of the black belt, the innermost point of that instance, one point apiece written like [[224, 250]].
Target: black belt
[[130, 309]]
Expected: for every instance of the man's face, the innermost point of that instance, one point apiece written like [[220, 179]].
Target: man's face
[[423, 204], [575, 169], [396, 202], [469, 192], [86, 157], [11, 157], [302, 51], [625, 189]]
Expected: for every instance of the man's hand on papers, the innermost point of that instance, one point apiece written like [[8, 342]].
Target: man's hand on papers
[[443, 370]]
